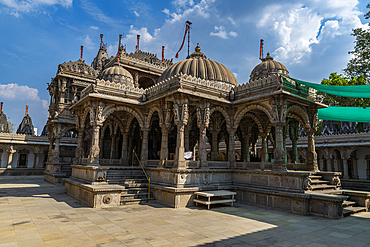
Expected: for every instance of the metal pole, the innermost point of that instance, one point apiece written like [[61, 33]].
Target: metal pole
[[149, 189], [189, 23]]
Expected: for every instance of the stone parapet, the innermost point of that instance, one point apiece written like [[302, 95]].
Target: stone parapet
[[96, 196], [53, 173], [90, 174]]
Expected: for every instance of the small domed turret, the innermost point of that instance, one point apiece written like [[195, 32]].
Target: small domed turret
[[117, 74], [267, 67]]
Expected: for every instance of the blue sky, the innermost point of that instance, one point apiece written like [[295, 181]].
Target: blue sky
[[311, 38]]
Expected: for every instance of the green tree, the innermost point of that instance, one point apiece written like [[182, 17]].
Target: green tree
[[359, 65], [12, 126], [340, 80]]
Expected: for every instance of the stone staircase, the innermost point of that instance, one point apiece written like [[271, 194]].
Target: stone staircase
[[322, 186], [350, 207], [67, 169], [317, 184], [134, 181]]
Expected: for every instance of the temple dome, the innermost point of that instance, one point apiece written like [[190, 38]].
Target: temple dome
[[268, 66], [198, 65], [116, 73]]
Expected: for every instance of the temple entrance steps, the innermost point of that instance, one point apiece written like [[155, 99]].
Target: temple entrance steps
[[66, 169], [134, 181], [351, 207], [317, 184]]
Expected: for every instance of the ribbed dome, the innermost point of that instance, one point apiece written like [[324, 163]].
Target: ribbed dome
[[267, 67], [198, 65], [116, 73]]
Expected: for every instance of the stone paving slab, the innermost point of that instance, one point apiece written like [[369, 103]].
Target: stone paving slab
[[36, 213]]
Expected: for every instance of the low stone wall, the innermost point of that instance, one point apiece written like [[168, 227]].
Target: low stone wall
[[53, 173], [181, 178], [96, 196], [273, 180], [356, 184], [21, 171]]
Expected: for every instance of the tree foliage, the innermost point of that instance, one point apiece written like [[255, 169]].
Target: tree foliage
[[359, 65], [12, 126], [340, 80]]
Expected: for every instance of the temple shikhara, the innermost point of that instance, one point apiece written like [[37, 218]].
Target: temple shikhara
[[149, 129]]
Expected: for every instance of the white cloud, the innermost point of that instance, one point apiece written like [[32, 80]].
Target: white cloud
[[94, 27], [13, 91], [136, 13], [221, 32], [231, 21], [234, 34], [186, 9], [45, 104], [28, 6], [96, 13], [87, 42], [298, 27]]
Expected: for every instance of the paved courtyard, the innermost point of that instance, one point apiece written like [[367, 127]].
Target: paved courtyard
[[36, 213]]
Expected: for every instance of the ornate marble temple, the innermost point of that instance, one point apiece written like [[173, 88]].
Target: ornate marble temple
[[135, 107]]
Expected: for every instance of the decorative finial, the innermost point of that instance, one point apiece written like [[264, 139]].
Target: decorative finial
[[197, 49]]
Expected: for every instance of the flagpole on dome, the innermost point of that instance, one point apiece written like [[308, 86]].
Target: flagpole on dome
[[189, 25], [187, 29]]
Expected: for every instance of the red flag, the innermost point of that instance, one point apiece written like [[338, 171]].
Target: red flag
[[186, 31], [101, 39], [82, 51]]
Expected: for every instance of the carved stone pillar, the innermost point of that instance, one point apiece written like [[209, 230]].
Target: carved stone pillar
[[285, 136], [112, 147], [144, 147], [321, 164], [164, 146], [56, 150], [202, 146], [345, 168], [294, 136], [214, 145], [264, 152], [186, 133], [124, 156], [203, 122], [94, 150], [355, 168], [130, 148], [181, 115], [279, 153], [79, 149], [231, 151], [245, 147], [10, 152], [180, 149], [311, 157], [96, 121]]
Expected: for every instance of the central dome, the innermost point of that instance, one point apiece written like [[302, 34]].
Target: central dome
[[198, 65]]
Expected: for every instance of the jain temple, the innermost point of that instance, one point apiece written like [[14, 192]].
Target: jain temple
[[133, 128]]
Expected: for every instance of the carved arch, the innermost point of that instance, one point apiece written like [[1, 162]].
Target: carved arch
[[151, 112], [85, 112], [109, 110], [224, 113], [352, 149], [256, 120], [240, 114], [65, 129], [299, 114]]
